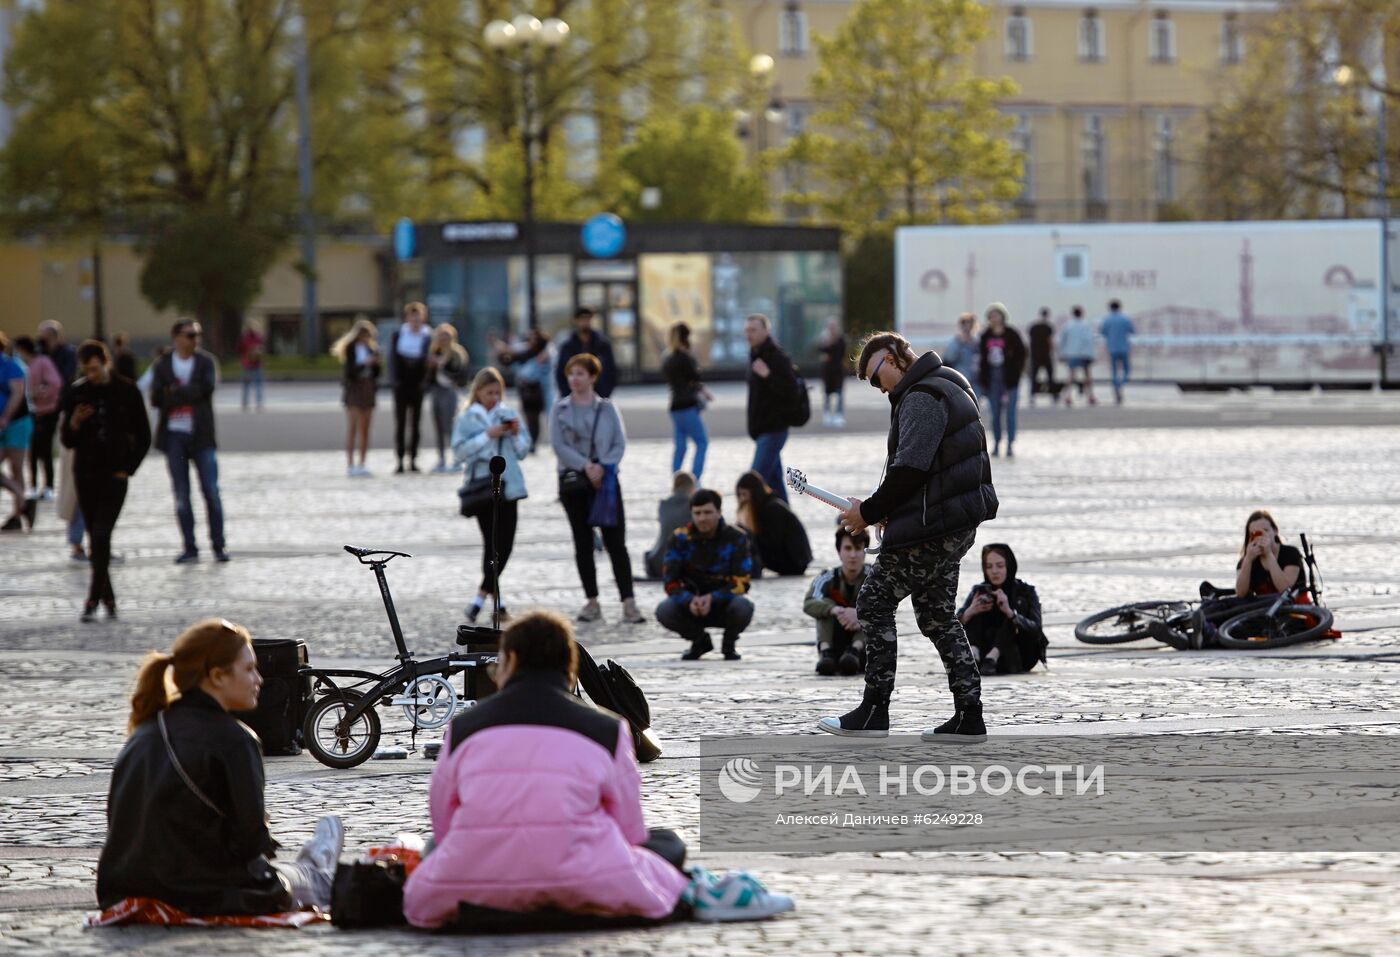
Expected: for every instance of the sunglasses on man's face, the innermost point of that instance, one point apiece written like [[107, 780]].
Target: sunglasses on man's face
[[192, 334], [875, 373]]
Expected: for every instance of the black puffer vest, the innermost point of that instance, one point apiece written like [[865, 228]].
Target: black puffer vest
[[958, 495]]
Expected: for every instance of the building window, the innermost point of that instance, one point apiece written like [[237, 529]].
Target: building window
[[796, 115], [1161, 38], [1231, 40], [792, 31], [1091, 45], [1018, 36], [1092, 160], [1164, 163], [1022, 142]]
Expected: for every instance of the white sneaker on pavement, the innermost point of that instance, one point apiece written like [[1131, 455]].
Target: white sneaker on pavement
[[736, 896]]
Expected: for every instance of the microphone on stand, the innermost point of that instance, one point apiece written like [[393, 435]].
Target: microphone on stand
[[498, 469]]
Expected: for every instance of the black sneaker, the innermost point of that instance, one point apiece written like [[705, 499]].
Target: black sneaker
[[964, 727], [988, 666], [220, 556], [728, 648], [13, 525], [870, 720], [826, 664], [89, 613], [111, 608], [698, 647], [29, 509], [185, 558], [849, 664]]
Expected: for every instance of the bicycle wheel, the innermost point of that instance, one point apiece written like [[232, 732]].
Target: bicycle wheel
[[1114, 626], [340, 751], [1291, 625]]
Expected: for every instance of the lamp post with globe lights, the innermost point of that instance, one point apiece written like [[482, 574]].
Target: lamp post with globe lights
[[534, 40], [1344, 77]]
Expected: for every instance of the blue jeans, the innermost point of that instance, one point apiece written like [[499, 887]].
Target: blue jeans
[[253, 382], [687, 424], [76, 528], [179, 453], [1120, 368], [1003, 400], [768, 460]]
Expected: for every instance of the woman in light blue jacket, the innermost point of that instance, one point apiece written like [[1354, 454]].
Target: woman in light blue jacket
[[485, 428]]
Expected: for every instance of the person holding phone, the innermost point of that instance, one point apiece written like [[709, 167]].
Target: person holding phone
[[1001, 616], [104, 423], [485, 428], [1266, 565]]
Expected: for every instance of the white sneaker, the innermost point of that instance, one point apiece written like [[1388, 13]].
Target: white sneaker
[[441, 468], [323, 850], [838, 420], [736, 896]]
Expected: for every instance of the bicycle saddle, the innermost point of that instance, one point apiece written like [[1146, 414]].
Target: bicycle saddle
[[363, 553]]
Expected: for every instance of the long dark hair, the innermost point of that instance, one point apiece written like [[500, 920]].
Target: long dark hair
[[759, 494], [1254, 516]]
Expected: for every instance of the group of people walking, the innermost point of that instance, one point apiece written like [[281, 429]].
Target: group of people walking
[[995, 359]]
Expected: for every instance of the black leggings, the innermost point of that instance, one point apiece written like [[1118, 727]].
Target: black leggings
[[1049, 369], [576, 505], [505, 541], [41, 449], [408, 404], [100, 497]]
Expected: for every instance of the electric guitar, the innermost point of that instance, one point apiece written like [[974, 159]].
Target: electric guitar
[[797, 481]]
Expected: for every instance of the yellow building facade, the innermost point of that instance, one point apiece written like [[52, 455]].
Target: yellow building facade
[[42, 281], [1111, 101]]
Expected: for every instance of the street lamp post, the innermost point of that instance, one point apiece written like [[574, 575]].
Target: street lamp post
[[529, 34], [1344, 76]]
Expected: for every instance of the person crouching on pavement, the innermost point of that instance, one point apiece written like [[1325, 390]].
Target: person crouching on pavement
[[536, 804], [706, 572], [832, 602], [1002, 616], [185, 814]]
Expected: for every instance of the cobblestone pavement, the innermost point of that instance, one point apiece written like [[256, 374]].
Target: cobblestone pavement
[[1097, 517]]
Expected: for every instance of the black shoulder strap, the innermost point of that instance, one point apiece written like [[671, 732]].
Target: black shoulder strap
[[593, 432], [180, 768]]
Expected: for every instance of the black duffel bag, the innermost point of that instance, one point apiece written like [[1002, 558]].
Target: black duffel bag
[[368, 894]]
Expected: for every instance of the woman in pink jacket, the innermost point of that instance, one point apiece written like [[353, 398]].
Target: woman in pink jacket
[[536, 804]]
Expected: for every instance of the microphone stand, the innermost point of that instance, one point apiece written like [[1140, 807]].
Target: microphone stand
[[498, 467]]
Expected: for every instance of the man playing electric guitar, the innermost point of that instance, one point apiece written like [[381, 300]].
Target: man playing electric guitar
[[936, 491]]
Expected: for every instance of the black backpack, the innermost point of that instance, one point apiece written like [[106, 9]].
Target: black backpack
[[611, 687], [801, 410]]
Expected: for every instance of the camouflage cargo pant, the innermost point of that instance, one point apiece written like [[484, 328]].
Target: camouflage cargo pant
[[929, 573]]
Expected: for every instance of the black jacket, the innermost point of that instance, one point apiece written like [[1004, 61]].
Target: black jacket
[[1025, 622], [352, 370], [957, 495], [781, 545], [771, 398], [163, 842], [1042, 337], [167, 393], [116, 437], [409, 375], [600, 348], [1013, 358], [834, 364], [683, 375]]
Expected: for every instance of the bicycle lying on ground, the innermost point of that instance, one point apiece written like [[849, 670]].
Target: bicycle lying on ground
[[1266, 621], [342, 727]]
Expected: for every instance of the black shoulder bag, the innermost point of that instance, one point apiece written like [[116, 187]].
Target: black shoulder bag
[[573, 481], [475, 495]]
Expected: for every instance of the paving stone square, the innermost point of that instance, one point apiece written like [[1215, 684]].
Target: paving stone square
[[1097, 516]]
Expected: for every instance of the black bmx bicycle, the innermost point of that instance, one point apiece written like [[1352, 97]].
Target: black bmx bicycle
[[1268, 621], [342, 727]]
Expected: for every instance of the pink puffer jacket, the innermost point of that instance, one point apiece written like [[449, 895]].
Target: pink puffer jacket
[[536, 803]]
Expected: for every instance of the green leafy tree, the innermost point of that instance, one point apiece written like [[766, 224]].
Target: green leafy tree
[[906, 133], [698, 164], [1287, 137]]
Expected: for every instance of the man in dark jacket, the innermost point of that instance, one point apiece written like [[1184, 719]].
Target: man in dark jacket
[[105, 424], [772, 391], [1042, 351], [586, 339], [936, 491], [182, 388], [706, 572]]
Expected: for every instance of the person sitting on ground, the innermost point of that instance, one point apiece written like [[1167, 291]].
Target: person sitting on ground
[[536, 804], [185, 814], [706, 571], [1266, 567], [832, 602], [1002, 616], [672, 513], [777, 537]]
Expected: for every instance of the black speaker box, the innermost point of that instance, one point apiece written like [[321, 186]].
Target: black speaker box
[[284, 698]]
